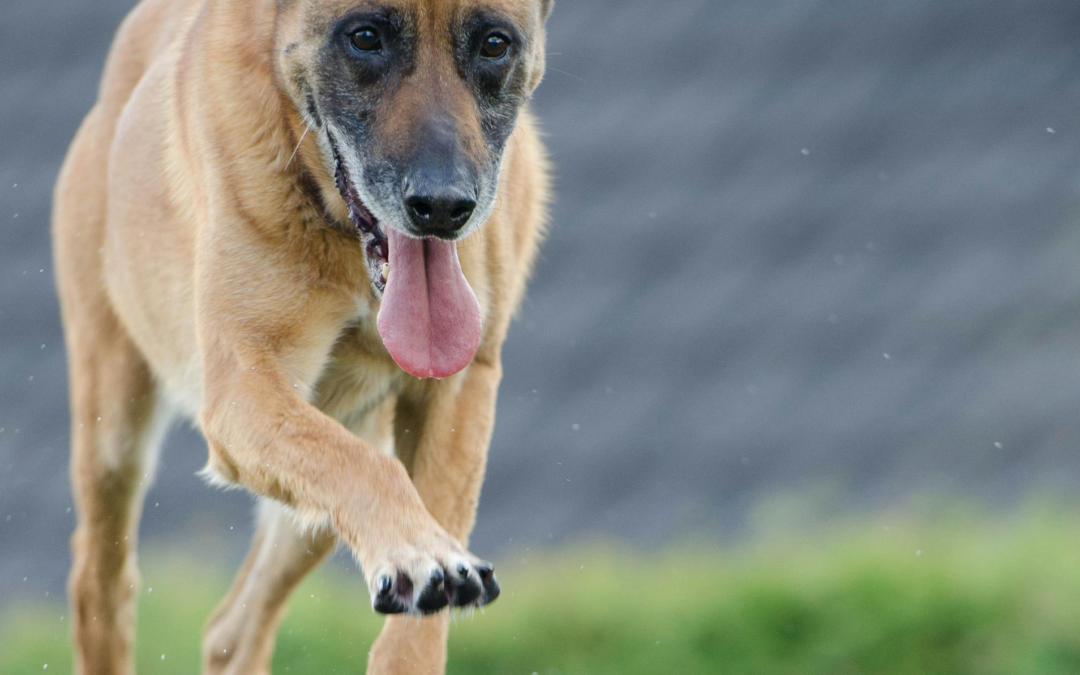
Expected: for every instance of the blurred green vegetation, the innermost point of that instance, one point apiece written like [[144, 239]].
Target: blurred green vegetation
[[967, 598]]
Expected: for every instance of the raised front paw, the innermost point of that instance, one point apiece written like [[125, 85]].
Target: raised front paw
[[426, 584]]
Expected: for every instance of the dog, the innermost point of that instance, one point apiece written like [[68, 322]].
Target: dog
[[304, 225]]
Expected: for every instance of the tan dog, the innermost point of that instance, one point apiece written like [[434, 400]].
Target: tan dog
[[255, 228]]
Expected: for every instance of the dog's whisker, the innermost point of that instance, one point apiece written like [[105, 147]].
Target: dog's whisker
[[298, 143], [563, 72]]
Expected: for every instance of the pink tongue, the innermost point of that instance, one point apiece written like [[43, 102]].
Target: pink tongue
[[430, 318]]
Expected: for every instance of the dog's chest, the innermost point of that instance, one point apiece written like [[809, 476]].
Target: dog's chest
[[358, 376]]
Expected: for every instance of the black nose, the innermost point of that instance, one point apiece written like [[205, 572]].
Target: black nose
[[439, 214]]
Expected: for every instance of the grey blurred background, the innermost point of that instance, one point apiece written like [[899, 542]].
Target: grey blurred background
[[809, 248]]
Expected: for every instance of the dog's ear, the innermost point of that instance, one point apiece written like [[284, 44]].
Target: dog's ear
[[539, 54]]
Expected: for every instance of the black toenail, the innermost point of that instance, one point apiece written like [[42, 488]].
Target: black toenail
[[434, 597], [467, 593], [485, 570], [491, 590], [385, 584], [463, 570], [388, 605]]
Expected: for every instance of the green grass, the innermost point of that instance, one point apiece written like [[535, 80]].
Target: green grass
[[956, 600]]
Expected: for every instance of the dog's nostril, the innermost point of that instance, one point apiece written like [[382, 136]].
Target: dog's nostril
[[419, 207], [461, 213]]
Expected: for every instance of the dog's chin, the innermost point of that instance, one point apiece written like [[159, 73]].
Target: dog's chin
[[372, 237]]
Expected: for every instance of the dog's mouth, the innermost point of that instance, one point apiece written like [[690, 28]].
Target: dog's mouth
[[429, 318], [372, 238]]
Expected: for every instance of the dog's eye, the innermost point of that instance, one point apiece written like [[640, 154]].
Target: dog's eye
[[495, 46], [366, 40]]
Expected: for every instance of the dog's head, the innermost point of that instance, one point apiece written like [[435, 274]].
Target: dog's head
[[413, 102]]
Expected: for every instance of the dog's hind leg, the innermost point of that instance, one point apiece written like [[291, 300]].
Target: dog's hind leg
[[116, 431], [239, 637], [116, 420]]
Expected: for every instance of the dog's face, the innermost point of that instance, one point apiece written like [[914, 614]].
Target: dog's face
[[413, 101]]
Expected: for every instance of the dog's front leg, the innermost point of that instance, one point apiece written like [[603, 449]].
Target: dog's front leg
[[267, 438], [444, 437], [264, 338]]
